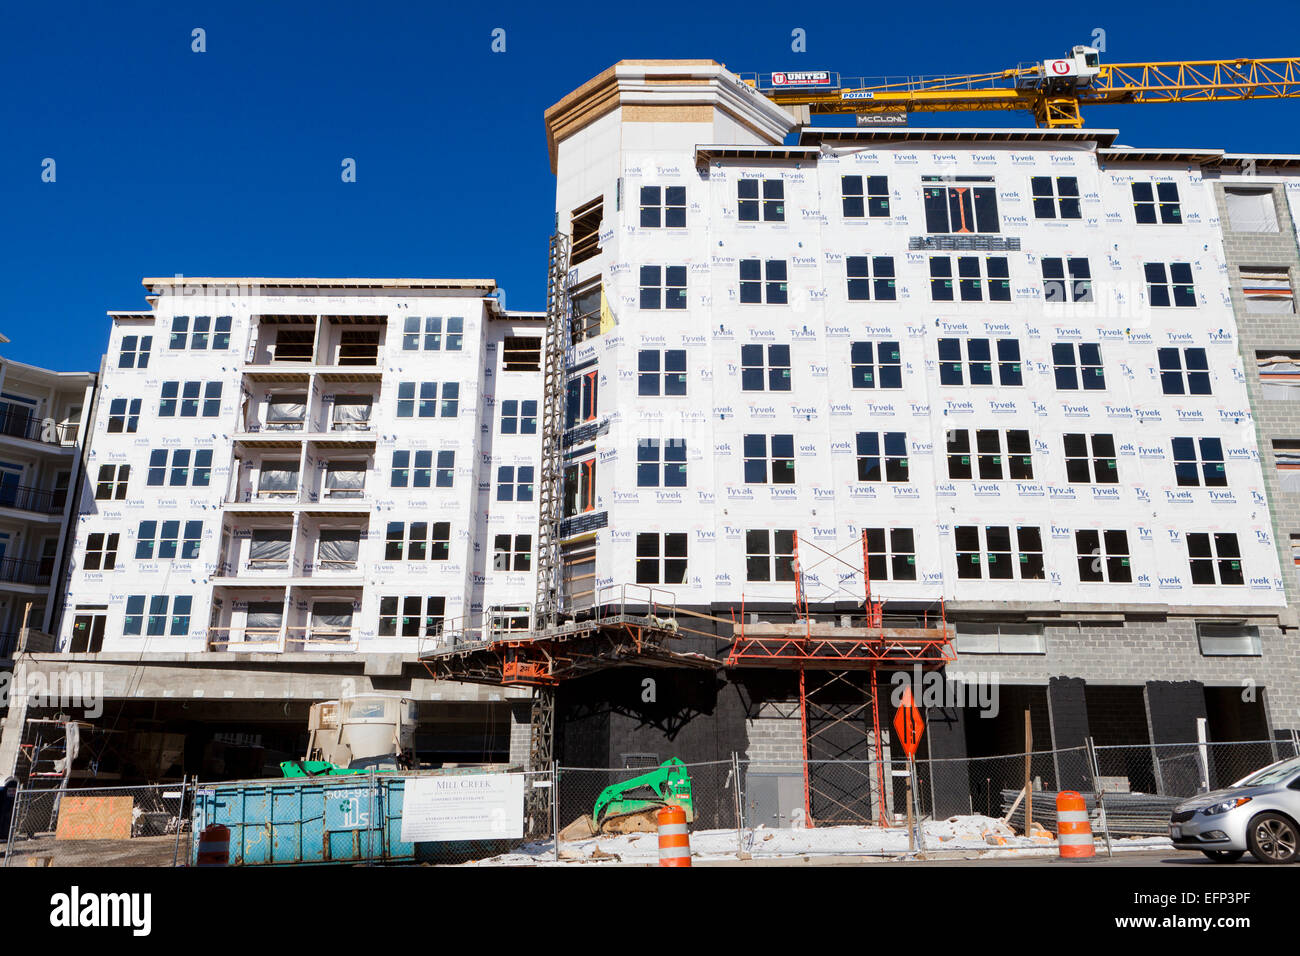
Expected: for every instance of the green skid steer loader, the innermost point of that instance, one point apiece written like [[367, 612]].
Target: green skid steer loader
[[667, 785]]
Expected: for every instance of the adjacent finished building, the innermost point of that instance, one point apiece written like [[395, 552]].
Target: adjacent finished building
[[41, 435]]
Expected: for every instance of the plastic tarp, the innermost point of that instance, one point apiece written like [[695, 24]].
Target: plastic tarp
[[286, 412], [269, 546], [1251, 210], [1276, 383], [352, 412], [264, 615], [331, 619], [1261, 306], [1288, 471], [340, 546], [345, 479], [278, 478]]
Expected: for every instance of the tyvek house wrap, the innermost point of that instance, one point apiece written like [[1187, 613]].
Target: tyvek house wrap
[[827, 505]]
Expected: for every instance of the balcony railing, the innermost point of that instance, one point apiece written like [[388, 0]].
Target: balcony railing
[[252, 640], [19, 571], [302, 496], [36, 500], [8, 644], [20, 423]]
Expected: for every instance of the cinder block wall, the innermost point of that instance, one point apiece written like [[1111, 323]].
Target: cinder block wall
[[1273, 419]]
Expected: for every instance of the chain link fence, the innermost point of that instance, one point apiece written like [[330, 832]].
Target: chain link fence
[[736, 808], [100, 826], [353, 818]]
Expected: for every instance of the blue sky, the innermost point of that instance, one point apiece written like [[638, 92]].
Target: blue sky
[[228, 162]]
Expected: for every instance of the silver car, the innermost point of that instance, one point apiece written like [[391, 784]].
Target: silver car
[[1259, 813]]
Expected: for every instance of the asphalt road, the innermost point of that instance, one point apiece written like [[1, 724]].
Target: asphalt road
[[1129, 858]]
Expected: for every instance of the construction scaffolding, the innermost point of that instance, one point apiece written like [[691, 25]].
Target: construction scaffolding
[[839, 686]]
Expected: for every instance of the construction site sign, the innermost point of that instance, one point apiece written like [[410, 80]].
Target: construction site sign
[[908, 725], [482, 806]]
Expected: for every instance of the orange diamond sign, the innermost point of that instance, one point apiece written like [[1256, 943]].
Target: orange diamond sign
[[908, 725]]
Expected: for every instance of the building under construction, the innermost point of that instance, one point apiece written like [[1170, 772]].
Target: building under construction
[[812, 406], [993, 402]]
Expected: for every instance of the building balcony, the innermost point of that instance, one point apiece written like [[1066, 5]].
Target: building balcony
[[33, 500], [257, 572], [18, 571], [333, 499], [263, 640], [20, 424]]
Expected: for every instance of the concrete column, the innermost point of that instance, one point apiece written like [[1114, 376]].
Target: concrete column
[[11, 728], [1067, 712]]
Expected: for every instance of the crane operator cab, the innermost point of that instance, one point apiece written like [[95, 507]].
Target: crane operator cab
[[1075, 71]]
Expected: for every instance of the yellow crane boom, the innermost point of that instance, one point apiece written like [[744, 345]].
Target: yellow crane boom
[[1053, 90]]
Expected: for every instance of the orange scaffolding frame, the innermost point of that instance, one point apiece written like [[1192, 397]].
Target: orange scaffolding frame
[[825, 646]]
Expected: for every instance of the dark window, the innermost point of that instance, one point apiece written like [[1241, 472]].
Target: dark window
[[1184, 371], [1078, 366], [1214, 558], [765, 368], [1055, 197], [1103, 556], [661, 463], [769, 555], [580, 399], [1156, 202], [663, 287], [891, 554], [760, 196], [135, 351], [882, 456], [101, 552], [757, 464], [1170, 284], [1090, 458], [110, 485], [873, 203], [661, 372], [875, 365], [1199, 461], [1058, 288], [123, 415], [763, 281], [975, 275], [871, 277], [661, 559], [970, 207], [663, 206]]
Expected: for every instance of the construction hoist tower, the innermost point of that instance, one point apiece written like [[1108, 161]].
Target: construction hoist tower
[[546, 605]]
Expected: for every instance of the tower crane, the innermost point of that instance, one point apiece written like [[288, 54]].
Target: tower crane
[[1052, 90]]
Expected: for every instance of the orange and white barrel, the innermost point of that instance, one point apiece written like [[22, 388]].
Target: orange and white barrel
[[1073, 831], [214, 846], [674, 838]]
